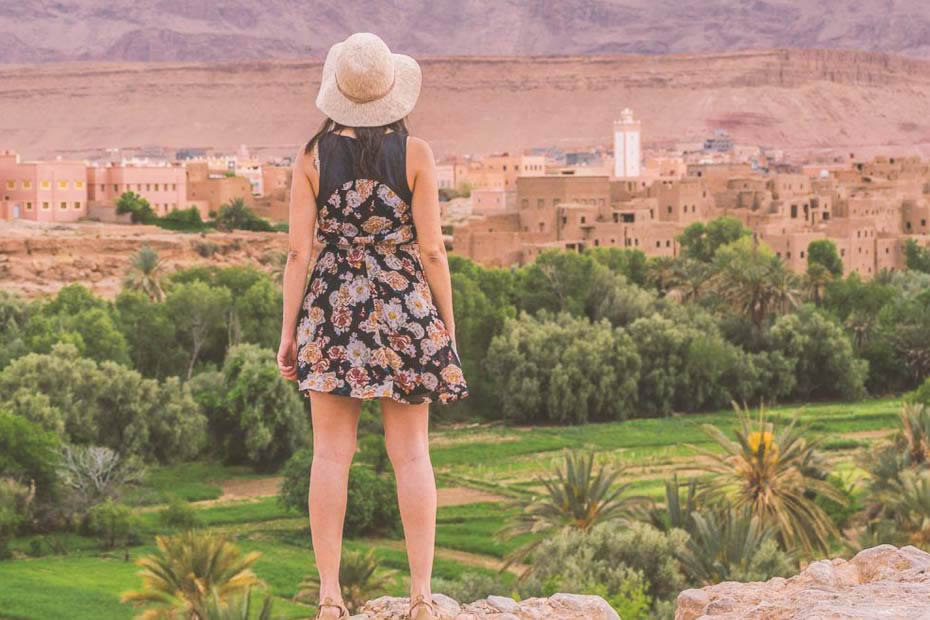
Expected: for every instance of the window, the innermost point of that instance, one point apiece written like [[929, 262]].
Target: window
[[63, 184], [802, 253], [670, 208], [46, 184], [540, 203], [46, 205], [77, 205], [64, 205], [148, 187], [174, 187], [28, 206], [524, 203], [115, 187], [103, 188], [658, 244], [11, 184], [27, 184], [79, 184], [582, 219], [668, 243]]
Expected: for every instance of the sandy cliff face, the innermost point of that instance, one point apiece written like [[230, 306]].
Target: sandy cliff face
[[792, 99]]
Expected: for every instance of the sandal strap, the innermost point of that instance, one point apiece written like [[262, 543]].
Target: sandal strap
[[421, 600], [328, 602]]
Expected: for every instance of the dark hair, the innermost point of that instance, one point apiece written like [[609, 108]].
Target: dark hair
[[369, 138]]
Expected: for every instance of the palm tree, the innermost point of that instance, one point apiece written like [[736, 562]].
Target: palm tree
[[187, 570], [237, 607], [660, 273], [145, 274], [722, 546], [278, 261], [908, 499], [357, 578], [690, 279], [576, 497], [757, 287], [766, 470], [677, 514], [815, 282]]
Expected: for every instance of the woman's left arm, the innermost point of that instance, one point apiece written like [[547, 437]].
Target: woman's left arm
[[302, 214]]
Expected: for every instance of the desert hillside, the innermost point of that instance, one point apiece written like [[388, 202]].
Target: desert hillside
[[478, 104], [207, 30]]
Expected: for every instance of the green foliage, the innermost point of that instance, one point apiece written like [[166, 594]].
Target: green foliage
[[186, 570], [105, 404], [187, 220], [917, 258], [113, 523], [576, 497], [638, 563], [826, 365], [28, 453], [372, 498], [631, 263], [15, 507], [360, 579], [823, 252], [150, 332], [921, 395], [545, 365], [14, 314], [373, 451], [235, 215], [179, 514], [75, 315], [256, 416], [771, 472], [700, 241], [469, 587], [733, 545], [199, 312], [139, 207]]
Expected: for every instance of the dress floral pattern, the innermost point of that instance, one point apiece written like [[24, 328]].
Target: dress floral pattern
[[368, 327]]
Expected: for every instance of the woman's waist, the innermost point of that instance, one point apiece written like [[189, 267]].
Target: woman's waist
[[368, 242]]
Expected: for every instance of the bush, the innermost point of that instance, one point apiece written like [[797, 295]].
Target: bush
[[113, 523], [618, 557], [256, 416], [469, 587], [15, 505], [372, 498], [179, 514], [373, 452], [545, 365]]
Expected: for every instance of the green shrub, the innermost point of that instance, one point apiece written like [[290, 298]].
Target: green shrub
[[612, 555], [179, 514], [373, 451], [113, 523], [469, 586]]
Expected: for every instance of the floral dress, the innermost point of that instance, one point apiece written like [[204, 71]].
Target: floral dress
[[368, 327]]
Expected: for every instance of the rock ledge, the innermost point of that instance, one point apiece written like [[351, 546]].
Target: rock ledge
[[881, 582], [559, 606]]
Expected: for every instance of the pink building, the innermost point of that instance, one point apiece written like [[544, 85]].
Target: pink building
[[164, 187], [48, 191]]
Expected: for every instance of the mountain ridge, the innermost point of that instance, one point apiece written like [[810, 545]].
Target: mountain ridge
[[168, 30]]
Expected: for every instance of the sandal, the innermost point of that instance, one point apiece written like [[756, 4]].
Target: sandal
[[328, 602], [422, 613]]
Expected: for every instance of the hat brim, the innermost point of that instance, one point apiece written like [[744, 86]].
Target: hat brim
[[397, 104]]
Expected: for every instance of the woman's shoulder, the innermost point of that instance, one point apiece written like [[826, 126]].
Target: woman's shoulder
[[418, 149]]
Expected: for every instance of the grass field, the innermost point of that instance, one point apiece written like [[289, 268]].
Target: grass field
[[86, 583]]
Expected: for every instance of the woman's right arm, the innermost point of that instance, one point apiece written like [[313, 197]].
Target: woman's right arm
[[302, 214], [429, 230]]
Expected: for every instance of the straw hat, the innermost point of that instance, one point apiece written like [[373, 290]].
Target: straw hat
[[365, 85]]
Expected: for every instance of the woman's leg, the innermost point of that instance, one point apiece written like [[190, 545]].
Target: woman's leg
[[335, 422], [407, 441]]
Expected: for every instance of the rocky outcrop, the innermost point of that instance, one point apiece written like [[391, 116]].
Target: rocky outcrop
[[556, 607], [881, 582]]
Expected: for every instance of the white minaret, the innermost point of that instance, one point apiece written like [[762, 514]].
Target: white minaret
[[626, 146]]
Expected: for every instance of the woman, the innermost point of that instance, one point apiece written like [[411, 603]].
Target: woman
[[375, 320]]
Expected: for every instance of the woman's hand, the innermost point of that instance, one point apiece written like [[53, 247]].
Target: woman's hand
[[287, 359]]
